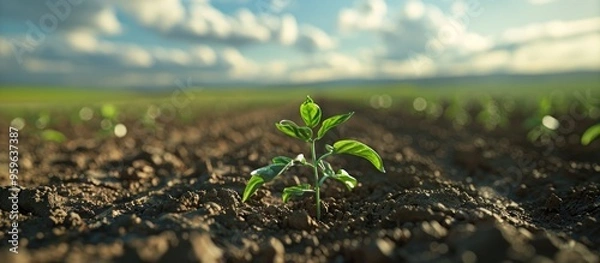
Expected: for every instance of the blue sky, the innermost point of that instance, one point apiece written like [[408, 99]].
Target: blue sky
[[149, 43]]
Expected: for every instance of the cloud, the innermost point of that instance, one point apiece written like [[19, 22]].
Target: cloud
[[239, 66], [540, 2], [330, 66], [288, 31], [204, 54], [414, 10], [425, 30], [80, 57], [422, 41], [313, 39], [206, 23], [366, 15], [194, 21], [159, 14], [550, 30], [554, 46]]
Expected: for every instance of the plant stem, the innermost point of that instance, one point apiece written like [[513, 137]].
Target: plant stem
[[316, 170]]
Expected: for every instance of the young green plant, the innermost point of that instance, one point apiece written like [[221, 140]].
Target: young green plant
[[311, 115]]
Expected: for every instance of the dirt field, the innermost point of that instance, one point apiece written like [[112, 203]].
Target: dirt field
[[173, 194]]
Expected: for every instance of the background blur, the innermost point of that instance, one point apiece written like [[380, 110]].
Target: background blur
[[527, 64]]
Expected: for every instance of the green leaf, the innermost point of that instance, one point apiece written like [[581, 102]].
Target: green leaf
[[271, 171], [347, 179], [361, 150], [284, 160], [332, 122], [293, 130], [590, 134], [263, 175], [310, 112], [295, 191], [281, 160], [53, 136], [253, 184]]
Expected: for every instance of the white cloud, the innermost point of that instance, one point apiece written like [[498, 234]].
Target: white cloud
[[414, 9], [423, 41], [313, 39], [205, 22], [367, 15], [554, 46], [330, 66], [405, 69], [568, 54], [81, 40], [425, 29], [106, 21], [288, 32], [204, 54], [550, 30], [160, 14], [540, 2]]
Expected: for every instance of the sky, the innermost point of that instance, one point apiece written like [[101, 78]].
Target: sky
[[154, 43]]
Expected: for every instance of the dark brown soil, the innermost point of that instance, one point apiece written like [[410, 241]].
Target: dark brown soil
[[174, 194]]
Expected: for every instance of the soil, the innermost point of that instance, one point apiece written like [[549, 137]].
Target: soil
[[173, 193]]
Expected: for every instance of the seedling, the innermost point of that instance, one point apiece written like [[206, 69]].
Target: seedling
[[590, 134], [311, 115]]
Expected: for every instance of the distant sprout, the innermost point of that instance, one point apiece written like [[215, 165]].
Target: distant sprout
[[153, 112], [18, 123], [490, 116], [109, 111], [434, 110], [120, 130], [53, 136], [458, 114], [420, 104], [383, 101], [110, 115], [541, 133], [86, 114], [106, 124], [311, 115], [42, 121], [550, 122], [149, 117], [591, 134], [508, 105], [545, 106]]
